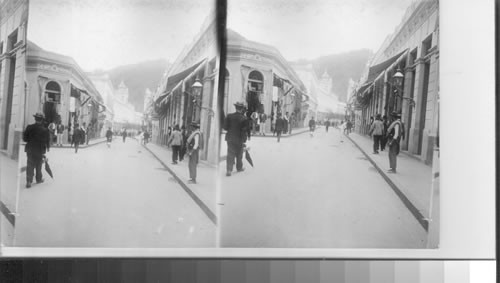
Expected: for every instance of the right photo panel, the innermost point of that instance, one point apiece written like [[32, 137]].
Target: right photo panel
[[330, 133]]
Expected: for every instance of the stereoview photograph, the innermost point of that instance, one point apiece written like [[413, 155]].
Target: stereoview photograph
[[128, 124]]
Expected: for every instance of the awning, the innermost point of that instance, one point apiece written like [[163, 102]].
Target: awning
[[174, 80], [376, 70]]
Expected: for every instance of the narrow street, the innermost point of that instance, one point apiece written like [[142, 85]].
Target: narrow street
[[315, 192], [109, 197]]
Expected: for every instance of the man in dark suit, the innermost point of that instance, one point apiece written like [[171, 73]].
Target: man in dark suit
[[238, 131], [37, 139], [280, 126]]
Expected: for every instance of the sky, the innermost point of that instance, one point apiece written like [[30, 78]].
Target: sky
[[102, 34], [307, 29]]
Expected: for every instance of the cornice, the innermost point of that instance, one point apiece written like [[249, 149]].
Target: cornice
[[8, 8]]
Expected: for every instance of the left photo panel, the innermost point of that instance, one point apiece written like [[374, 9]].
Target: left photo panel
[[111, 127]]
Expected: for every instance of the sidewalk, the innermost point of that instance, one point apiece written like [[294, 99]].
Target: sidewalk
[[204, 192], [412, 182]]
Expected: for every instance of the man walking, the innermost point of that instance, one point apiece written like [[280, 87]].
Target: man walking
[[377, 130], [327, 125], [109, 136], [78, 136], [194, 143], [280, 126], [175, 141], [383, 141], [237, 127], [60, 131], [124, 134], [312, 126], [262, 125], [37, 139], [395, 132]]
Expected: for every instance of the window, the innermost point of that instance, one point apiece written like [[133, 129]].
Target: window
[[426, 45], [413, 56], [1, 48], [53, 92], [11, 42]]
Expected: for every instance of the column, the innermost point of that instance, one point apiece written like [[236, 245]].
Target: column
[[407, 109], [430, 132], [416, 125]]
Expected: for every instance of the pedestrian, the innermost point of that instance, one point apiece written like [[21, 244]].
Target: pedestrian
[[291, 123], [194, 143], [109, 136], [70, 134], [146, 137], [286, 121], [237, 127], [183, 149], [78, 136], [395, 133], [383, 141], [348, 126], [52, 130], [60, 132], [327, 125], [175, 142], [376, 131], [37, 139], [124, 134], [262, 125], [280, 126], [312, 126], [169, 133], [88, 133]]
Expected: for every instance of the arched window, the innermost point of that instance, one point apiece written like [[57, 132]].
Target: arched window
[[255, 88], [53, 92]]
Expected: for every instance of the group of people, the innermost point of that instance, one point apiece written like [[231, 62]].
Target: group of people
[[387, 133]]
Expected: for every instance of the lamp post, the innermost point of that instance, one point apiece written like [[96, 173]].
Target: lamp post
[[196, 96], [397, 83]]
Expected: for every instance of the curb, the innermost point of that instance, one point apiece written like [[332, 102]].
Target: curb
[[414, 210], [186, 188]]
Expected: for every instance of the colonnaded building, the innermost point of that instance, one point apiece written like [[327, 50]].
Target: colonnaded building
[[13, 24], [411, 52], [58, 88]]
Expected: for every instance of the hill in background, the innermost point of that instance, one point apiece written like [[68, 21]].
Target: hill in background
[[341, 67], [138, 77]]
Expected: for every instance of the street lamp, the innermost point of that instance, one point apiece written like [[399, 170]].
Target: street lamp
[[195, 96], [397, 79]]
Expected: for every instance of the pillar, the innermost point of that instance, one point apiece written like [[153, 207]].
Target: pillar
[[416, 125], [430, 132], [407, 109]]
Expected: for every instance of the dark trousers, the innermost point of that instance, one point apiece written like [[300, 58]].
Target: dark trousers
[[327, 128], [175, 153], [193, 162], [278, 133], [35, 162], [376, 142], [383, 142], [124, 137], [182, 152], [234, 150], [77, 144], [393, 153]]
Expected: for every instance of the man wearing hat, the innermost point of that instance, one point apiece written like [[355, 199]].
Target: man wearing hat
[[394, 134], [376, 131], [238, 131], [193, 145], [37, 139]]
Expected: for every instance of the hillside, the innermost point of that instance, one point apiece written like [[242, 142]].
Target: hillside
[[341, 67], [138, 77]]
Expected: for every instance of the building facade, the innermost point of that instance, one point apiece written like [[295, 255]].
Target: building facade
[[413, 50], [259, 76], [58, 88], [13, 24], [187, 92]]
